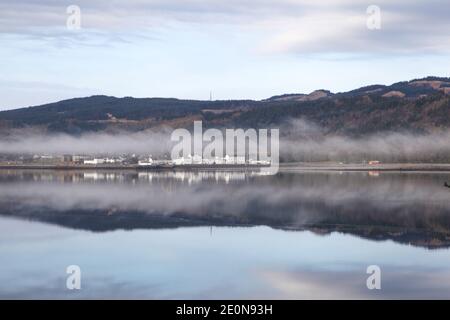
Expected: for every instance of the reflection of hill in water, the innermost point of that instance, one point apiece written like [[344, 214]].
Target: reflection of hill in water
[[406, 208], [101, 221]]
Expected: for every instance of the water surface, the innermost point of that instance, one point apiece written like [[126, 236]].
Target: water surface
[[194, 235]]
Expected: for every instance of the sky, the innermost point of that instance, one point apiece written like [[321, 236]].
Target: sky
[[244, 49]]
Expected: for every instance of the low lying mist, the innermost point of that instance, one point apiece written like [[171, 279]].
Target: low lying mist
[[143, 142], [305, 141], [300, 140]]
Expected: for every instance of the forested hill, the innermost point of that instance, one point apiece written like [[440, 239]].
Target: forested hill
[[420, 105]]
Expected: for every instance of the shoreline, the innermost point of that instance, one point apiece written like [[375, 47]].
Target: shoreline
[[285, 167], [194, 167], [384, 167]]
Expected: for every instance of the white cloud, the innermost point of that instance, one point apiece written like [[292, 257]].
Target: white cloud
[[294, 26]]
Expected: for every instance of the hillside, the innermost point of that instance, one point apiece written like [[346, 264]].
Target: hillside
[[421, 105]]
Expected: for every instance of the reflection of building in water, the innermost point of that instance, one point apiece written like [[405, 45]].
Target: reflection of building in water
[[194, 177], [164, 176], [98, 176], [374, 174], [189, 177]]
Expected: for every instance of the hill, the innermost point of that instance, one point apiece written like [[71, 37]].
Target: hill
[[420, 105]]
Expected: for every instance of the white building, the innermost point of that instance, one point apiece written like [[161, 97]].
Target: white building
[[148, 162], [196, 159], [234, 160], [208, 161], [218, 160], [94, 161], [259, 162], [182, 161], [238, 160]]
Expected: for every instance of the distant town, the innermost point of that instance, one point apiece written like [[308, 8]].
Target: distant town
[[125, 160]]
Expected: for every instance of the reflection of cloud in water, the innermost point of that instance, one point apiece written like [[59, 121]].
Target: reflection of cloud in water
[[395, 283], [187, 263], [316, 285], [51, 288]]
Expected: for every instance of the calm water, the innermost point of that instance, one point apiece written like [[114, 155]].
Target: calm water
[[297, 235]]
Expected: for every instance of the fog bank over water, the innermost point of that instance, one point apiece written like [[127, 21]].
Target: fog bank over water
[[300, 140]]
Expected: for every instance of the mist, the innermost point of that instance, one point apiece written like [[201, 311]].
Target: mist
[[143, 142], [300, 141]]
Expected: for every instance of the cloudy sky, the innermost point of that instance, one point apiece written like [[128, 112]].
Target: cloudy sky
[[234, 48]]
